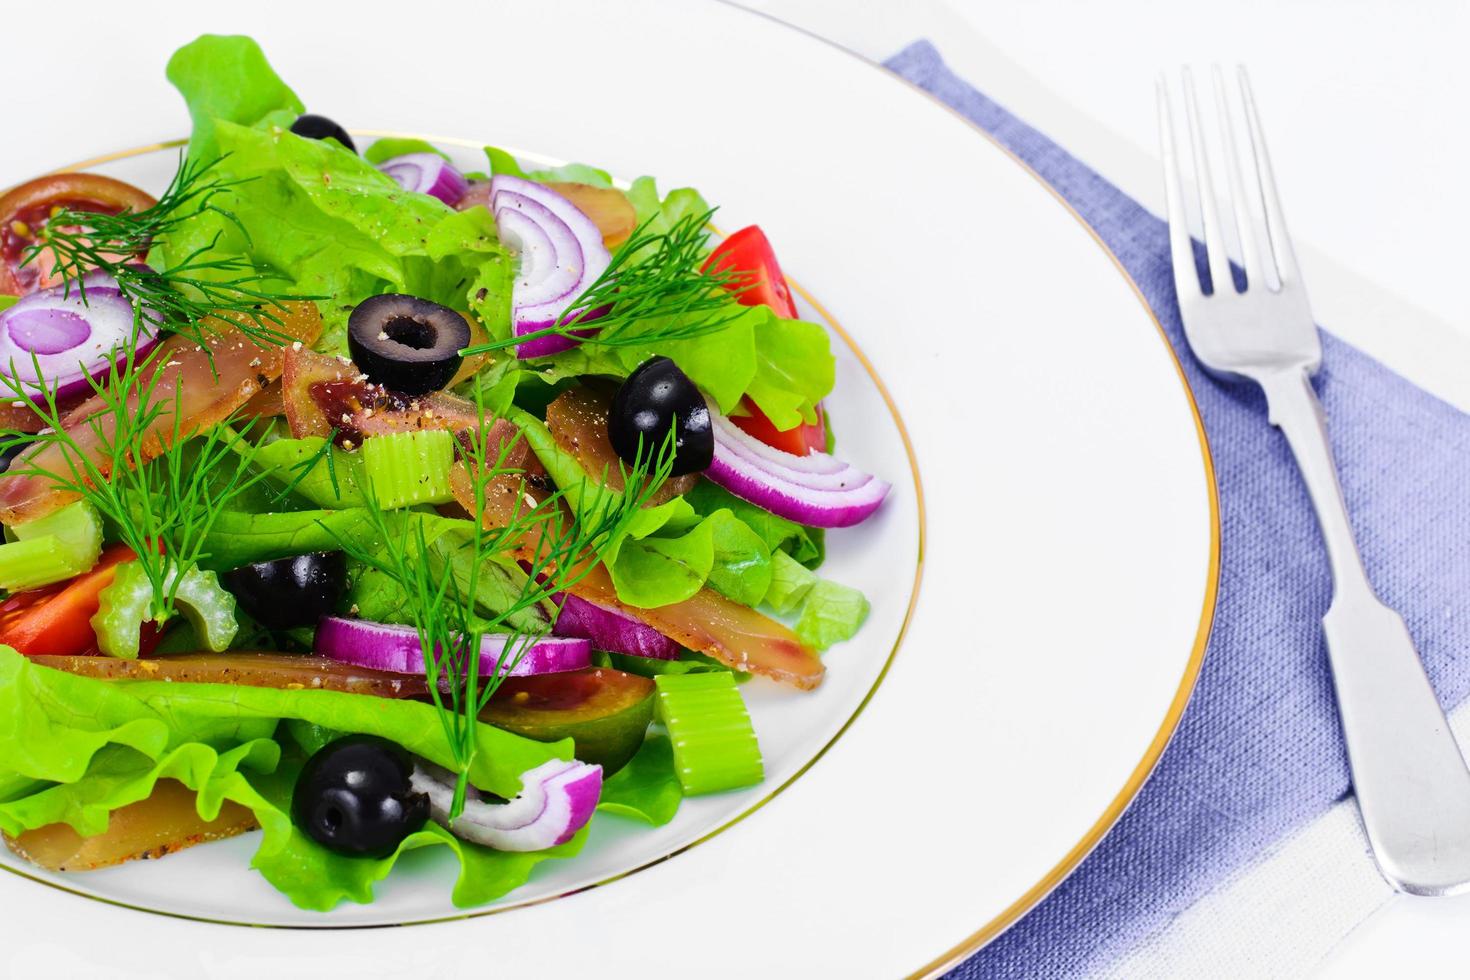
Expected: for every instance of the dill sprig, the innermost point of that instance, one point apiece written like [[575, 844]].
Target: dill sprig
[[567, 544], [654, 290], [191, 296], [159, 481]]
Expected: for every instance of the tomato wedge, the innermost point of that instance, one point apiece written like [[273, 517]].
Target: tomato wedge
[[800, 441], [749, 255], [57, 620], [26, 209]]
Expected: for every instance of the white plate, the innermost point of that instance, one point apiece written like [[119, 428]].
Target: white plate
[[1072, 552]]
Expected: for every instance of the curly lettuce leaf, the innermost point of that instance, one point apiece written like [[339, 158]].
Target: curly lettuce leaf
[[396, 146], [785, 366], [660, 214], [668, 553], [827, 612], [803, 543], [322, 222], [502, 162], [689, 662], [73, 749], [238, 538], [227, 77]]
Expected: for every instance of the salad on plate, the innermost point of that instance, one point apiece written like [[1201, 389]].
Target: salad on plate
[[374, 504]]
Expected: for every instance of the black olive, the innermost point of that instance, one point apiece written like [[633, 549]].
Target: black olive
[[354, 796], [655, 397], [8, 454], [315, 127], [290, 592], [406, 344]]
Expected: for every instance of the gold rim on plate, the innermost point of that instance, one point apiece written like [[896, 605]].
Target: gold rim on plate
[[908, 615], [1068, 863]]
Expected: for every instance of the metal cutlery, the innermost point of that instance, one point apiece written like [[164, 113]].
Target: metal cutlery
[[1412, 784]]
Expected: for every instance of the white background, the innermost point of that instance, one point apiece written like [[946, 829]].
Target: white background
[[1365, 103]]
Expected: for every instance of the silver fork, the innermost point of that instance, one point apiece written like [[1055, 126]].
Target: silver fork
[[1412, 784]]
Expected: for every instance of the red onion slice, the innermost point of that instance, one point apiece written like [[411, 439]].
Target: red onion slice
[[546, 274], [427, 173], [382, 646], [611, 629], [811, 463], [556, 800], [581, 257], [72, 334], [775, 462], [831, 499]]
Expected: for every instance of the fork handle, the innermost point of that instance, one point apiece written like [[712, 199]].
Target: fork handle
[[1412, 784]]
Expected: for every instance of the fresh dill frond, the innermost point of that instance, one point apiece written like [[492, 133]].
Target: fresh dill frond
[[159, 481], [655, 290], [193, 295], [557, 544]]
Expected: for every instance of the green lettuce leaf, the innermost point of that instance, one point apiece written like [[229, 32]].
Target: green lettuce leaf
[[805, 544], [73, 749], [647, 788], [661, 214], [669, 553], [827, 612], [502, 162], [227, 78], [239, 538], [323, 222], [396, 146], [689, 662], [791, 583]]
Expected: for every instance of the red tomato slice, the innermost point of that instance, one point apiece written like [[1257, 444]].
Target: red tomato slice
[[56, 619], [800, 441], [748, 253], [24, 210]]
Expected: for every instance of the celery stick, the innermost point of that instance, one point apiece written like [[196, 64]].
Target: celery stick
[[715, 747], [407, 468]]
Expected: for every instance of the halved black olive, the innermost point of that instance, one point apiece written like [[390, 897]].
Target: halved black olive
[[355, 796], [315, 127], [290, 592], [655, 397], [406, 344]]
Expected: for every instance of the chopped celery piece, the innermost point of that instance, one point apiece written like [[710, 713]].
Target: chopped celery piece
[[52, 548], [126, 604], [39, 561], [407, 468], [715, 747], [325, 475]]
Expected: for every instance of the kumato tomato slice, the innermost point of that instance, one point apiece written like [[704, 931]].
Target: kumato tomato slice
[[605, 712], [26, 210]]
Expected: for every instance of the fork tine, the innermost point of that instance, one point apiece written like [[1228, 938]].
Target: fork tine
[[1245, 225], [1186, 279], [1280, 241], [1208, 203]]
